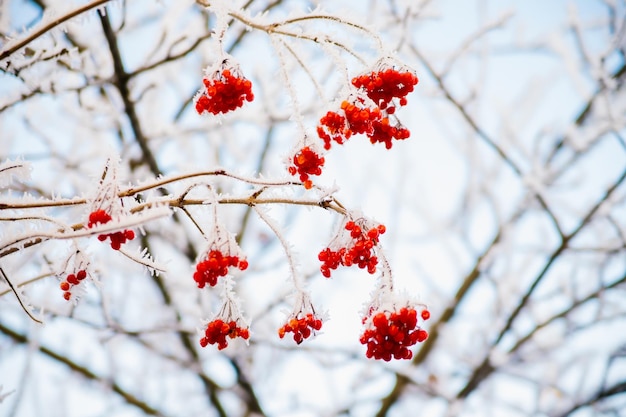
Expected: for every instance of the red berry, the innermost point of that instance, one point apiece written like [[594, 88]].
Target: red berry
[[360, 251], [217, 331], [390, 334], [360, 117], [306, 162], [117, 238], [385, 85], [301, 327], [422, 335], [223, 93], [383, 131], [214, 266], [333, 126], [98, 216]]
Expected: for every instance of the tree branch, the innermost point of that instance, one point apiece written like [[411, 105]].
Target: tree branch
[[121, 82], [127, 396], [617, 389], [485, 368], [8, 51]]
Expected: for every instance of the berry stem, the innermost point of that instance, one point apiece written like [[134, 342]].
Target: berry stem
[[386, 279], [296, 113], [229, 308], [295, 278]]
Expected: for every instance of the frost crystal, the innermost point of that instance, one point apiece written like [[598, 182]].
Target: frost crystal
[[18, 170]]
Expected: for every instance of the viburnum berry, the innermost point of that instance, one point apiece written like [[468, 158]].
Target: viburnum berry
[[224, 90], [98, 217], [306, 162], [358, 250], [216, 265], [117, 238], [355, 115], [333, 126], [390, 334], [360, 116], [70, 281], [330, 260], [302, 326], [384, 132], [385, 85], [217, 331]]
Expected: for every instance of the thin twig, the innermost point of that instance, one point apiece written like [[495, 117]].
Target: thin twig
[[19, 299], [51, 25]]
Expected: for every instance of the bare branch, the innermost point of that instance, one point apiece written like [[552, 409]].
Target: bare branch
[[19, 298], [13, 47]]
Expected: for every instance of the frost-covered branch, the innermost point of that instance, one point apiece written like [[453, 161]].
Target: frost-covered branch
[[19, 298], [13, 46]]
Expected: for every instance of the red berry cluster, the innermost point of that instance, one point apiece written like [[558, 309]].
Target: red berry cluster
[[98, 217], [333, 126], [391, 334], [301, 327], [70, 281], [306, 162], [359, 252], [216, 265], [383, 132], [355, 117], [117, 238], [360, 117], [223, 93], [383, 86], [217, 330]]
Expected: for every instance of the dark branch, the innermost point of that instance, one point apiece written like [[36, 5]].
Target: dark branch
[[121, 82], [485, 369], [617, 389], [127, 396]]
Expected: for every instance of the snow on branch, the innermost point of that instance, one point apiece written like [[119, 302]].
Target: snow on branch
[[50, 22], [17, 170]]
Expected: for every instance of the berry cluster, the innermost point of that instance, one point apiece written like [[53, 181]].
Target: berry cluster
[[360, 116], [356, 116], [306, 162], [391, 334], [218, 329], [70, 281], [383, 132], [224, 92], [216, 265], [360, 250], [333, 126], [117, 238], [385, 85], [301, 327]]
